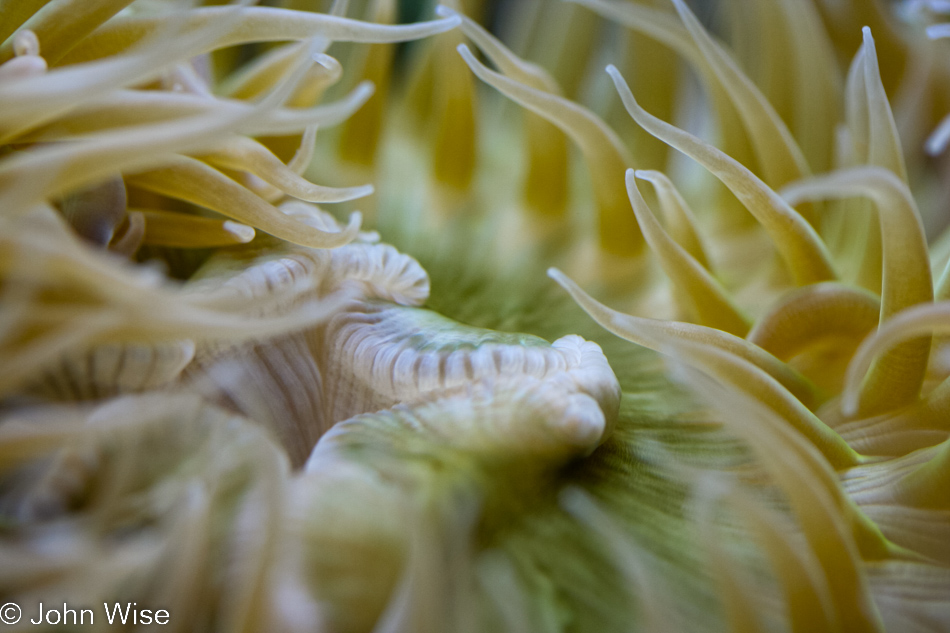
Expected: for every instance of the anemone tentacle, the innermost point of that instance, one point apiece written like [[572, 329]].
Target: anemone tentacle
[[224, 404]]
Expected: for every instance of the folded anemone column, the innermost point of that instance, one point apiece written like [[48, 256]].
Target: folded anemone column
[[489, 421]]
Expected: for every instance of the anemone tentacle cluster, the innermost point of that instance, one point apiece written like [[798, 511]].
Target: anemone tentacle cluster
[[729, 410]]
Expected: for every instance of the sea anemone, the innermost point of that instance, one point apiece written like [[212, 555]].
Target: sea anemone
[[223, 407]]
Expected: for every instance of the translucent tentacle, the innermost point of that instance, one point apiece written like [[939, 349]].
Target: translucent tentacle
[[245, 154], [777, 151], [37, 99], [813, 313], [800, 247], [253, 24], [884, 148], [741, 613], [50, 171], [896, 379], [781, 158], [182, 230], [361, 133], [679, 218], [61, 25], [808, 604], [191, 180], [131, 107], [453, 105], [834, 528], [546, 183], [709, 301], [605, 154], [917, 322], [734, 362]]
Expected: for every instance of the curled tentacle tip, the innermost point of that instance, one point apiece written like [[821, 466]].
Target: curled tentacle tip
[[327, 61], [366, 87], [849, 403], [937, 142], [25, 42], [242, 232], [619, 82], [348, 234], [450, 17], [363, 91], [565, 282]]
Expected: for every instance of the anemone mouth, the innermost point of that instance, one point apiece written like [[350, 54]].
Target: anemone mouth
[[218, 398]]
